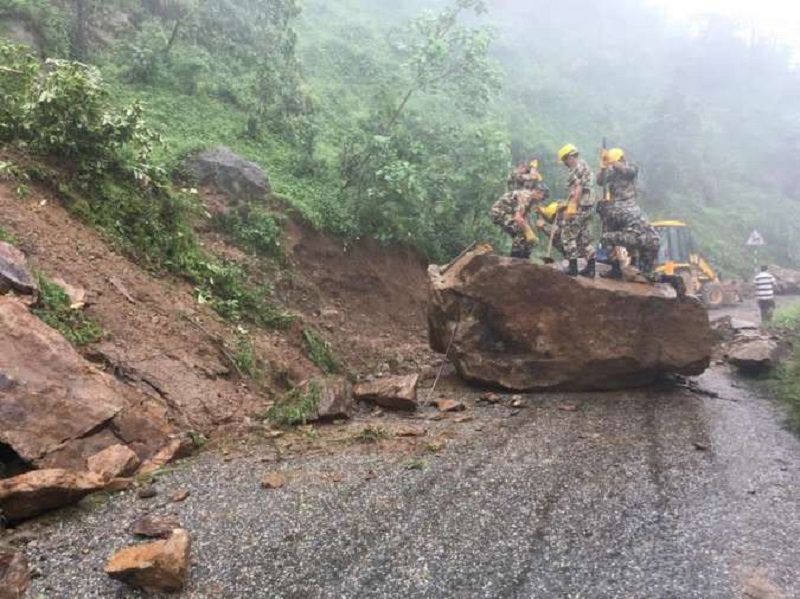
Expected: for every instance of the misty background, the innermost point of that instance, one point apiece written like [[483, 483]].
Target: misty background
[[398, 119]]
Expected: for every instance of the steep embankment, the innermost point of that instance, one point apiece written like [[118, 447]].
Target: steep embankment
[[367, 301]]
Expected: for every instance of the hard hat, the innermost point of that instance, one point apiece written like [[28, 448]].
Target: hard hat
[[567, 150], [615, 154]]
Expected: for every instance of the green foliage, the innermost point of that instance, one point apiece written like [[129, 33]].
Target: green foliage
[[7, 236], [296, 406], [49, 21], [255, 229], [787, 377], [54, 308], [320, 351], [245, 356]]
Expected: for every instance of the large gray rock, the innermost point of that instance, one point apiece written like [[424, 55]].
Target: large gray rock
[[754, 356], [229, 173], [56, 409], [14, 273], [522, 326], [335, 399], [787, 281]]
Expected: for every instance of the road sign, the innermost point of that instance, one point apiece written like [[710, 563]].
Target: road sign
[[755, 239]]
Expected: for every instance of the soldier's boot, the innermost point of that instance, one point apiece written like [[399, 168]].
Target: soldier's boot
[[616, 270], [678, 284], [572, 270], [589, 269]]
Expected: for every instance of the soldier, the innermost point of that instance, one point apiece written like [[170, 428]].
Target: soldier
[[624, 223], [511, 212], [576, 238]]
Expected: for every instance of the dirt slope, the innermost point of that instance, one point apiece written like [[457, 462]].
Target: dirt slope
[[367, 301]]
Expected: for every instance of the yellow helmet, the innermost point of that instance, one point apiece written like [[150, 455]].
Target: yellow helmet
[[615, 154], [567, 150]]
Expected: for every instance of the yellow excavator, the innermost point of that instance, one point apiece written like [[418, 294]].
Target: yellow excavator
[[678, 256]]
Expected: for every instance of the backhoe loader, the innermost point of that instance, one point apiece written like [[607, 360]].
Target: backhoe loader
[[678, 256]]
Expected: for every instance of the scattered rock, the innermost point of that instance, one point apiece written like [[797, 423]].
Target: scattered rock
[[179, 495], [463, 419], [754, 357], [147, 492], [14, 273], [161, 566], [14, 574], [273, 480], [449, 405], [156, 527], [175, 449], [229, 173], [335, 399], [568, 407], [118, 484], [113, 462], [492, 398], [701, 446], [38, 491], [526, 327], [411, 432], [517, 402], [391, 392]]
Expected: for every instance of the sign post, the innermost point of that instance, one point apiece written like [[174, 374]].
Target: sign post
[[755, 241]]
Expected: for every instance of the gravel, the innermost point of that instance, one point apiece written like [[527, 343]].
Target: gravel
[[651, 494]]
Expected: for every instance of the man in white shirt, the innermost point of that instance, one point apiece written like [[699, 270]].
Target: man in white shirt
[[765, 293]]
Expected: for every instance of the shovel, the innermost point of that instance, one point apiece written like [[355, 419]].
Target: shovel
[[548, 259]]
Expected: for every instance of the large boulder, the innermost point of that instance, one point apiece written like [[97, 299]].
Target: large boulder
[[522, 326], [56, 409], [787, 281], [36, 492], [392, 392], [229, 173], [14, 273]]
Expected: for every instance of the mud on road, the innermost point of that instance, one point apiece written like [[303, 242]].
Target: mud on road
[[649, 494]]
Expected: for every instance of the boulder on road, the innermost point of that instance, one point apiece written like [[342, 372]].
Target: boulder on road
[[161, 566], [114, 462], [39, 491], [335, 399], [392, 392], [56, 409], [754, 356], [787, 281], [523, 326], [229, 173]]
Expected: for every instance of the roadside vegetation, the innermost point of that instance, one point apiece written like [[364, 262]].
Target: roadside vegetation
[[786, 384], [55, 309]]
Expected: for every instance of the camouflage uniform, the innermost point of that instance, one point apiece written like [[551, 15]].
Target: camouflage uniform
[[504, 212], [576, 238], [624, 223]]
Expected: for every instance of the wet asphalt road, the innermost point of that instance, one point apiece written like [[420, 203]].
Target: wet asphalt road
[[658, 493]]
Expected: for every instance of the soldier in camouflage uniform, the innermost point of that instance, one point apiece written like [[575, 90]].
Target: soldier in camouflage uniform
[[575, 218], [511, 211], [624, 223]]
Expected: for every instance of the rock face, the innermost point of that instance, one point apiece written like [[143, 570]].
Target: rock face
[[34, 493], [394, 392], [787, 281], [229, 173], [14, 273], [525, 327], [161, 566], [14, 575], [754, 356], [56, 409]]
